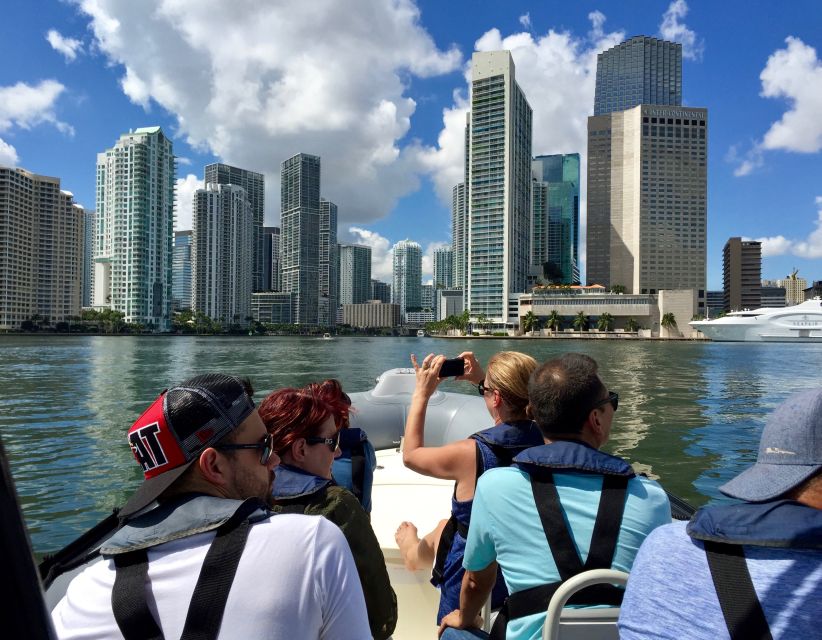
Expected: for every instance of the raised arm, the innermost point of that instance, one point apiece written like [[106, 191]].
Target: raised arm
[[454, 461]]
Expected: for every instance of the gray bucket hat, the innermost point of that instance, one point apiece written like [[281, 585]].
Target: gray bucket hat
[[790, 450]]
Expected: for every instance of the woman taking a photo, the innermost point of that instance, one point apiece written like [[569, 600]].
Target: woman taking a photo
[[504, 387]]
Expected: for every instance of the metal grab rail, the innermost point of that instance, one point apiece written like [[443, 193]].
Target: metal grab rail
[[550, 630]]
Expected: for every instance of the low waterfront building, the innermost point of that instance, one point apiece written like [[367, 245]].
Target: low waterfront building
[[272, 307], [449, 303], [794, 289], [773, 297], [644, 310], [715, 303], [372, 314], [420, 318], [814, 291]]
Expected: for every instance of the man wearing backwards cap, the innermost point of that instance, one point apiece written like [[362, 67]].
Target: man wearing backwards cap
[[744, 570], [199, 554]]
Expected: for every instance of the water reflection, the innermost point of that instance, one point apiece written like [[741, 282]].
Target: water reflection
[[690, 413]]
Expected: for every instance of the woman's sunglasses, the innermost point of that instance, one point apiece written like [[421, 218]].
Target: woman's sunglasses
[[332, 443]]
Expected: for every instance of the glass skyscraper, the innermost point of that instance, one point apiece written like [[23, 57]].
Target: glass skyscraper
[[328, 277], [300, 234], [499, 187], [443, 268], [254, 185], [407, 288], [641, 70], [181, 271], [555, 218], [355, 273], [272, 280]]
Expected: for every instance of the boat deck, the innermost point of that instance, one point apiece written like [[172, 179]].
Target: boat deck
[[401, 494]]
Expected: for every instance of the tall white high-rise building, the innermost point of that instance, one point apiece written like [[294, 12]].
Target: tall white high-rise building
[[254, 185], [499, 187], [328, 278], [41, 250], [407, 288], [222, 265], [300, 234], [135, 221], [443, 268], [355, 273]]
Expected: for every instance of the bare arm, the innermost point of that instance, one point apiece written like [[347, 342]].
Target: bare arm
[[476, 588], [454, 461]]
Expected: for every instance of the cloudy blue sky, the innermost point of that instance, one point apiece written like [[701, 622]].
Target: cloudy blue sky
[[378, 89]]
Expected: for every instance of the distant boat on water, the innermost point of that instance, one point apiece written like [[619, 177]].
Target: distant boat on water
[[799, 323], [420, 333], [327, 336]]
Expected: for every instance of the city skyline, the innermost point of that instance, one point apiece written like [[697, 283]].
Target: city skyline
[[79, 87]]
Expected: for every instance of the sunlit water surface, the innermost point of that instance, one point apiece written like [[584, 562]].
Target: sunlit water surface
[[690, 414]]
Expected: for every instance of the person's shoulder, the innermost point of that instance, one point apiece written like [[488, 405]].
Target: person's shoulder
[[646, 488], [290, 524], [500, 477]]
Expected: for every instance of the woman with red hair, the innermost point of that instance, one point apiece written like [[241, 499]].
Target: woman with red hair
[[354, 467], [305, 434]]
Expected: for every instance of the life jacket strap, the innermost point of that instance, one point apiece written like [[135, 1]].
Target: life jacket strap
[[566, 558], [740, 605], [205, 613]]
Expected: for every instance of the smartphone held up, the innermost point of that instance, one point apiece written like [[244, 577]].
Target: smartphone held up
[[452, 367]]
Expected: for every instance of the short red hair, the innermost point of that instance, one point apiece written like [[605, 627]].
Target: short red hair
[[331, 392], [290, 414]]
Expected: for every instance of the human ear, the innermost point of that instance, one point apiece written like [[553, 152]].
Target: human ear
[[213, 467]]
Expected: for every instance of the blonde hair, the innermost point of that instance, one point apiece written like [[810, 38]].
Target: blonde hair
[[508, 372]]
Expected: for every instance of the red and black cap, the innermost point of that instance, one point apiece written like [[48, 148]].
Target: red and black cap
[[178, 426]]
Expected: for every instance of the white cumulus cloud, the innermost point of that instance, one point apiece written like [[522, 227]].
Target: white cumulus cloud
[[184, 200], [671, 28], [8, 154], [68, 47], [810, 247], [258, 85], [25, 106], [795, 74]]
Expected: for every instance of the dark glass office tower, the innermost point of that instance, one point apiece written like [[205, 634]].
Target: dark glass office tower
[[641, 70]]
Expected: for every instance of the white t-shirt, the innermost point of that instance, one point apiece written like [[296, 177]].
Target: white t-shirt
[[296, 581]]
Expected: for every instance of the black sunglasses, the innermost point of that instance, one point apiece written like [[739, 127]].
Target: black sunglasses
[[265, 446], [331, 443], [482, 388], [613, 398]]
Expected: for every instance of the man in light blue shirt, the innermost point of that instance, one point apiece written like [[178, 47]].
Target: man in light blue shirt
[[574, 411], [745, 570]]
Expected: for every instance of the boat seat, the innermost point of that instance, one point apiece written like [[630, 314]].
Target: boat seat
[[583, 623]]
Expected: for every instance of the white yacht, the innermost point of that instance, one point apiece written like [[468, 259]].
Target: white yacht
[[800, 323]]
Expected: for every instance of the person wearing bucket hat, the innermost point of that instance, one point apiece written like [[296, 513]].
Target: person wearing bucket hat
[[751, 569], [199, 543]]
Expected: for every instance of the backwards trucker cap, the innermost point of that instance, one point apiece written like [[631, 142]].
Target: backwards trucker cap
[[179, 426], [790, 450]]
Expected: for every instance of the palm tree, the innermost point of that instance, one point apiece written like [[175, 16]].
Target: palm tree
[[580, 322], [631, 325], [618, 288], [529, 321], [605, 322], [554, 321], [482, 322], [668, 321]]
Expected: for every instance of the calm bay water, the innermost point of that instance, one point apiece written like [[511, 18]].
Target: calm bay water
[[690, 414]]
